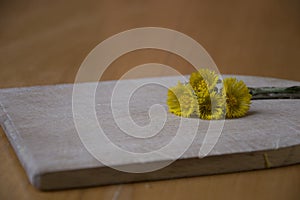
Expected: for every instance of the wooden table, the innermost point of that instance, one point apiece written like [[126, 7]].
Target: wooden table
[[44, 43]]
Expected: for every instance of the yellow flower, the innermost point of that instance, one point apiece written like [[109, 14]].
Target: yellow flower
[[181, 100], [211, 105], [237, 97], [204, 78]]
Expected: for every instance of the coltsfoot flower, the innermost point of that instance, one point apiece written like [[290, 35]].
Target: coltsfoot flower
[[211, 105], [181, 100], [204, 78], [238, 98]]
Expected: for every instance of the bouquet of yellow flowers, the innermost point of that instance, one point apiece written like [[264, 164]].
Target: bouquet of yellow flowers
[[202, 98]]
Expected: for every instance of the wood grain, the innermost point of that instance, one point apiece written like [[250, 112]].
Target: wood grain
[[57, 155], [279, 183], [43, 42]]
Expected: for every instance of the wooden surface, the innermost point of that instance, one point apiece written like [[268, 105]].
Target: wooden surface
[[55, 155], [43, 42]]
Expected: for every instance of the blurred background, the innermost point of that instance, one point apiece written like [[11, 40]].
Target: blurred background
[[44, 42]]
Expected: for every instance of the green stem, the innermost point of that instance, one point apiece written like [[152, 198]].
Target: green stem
[[275, 92]]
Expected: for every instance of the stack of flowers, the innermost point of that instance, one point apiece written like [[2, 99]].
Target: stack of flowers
[[201, 97]]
